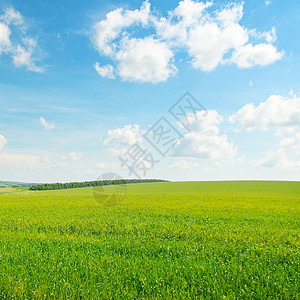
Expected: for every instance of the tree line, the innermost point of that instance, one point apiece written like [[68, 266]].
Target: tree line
[[72, 185]]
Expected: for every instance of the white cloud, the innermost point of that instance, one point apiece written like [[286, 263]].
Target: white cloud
[[111, 27], [205, 141], [145, 60], [105, 71], [174, 28], [46, 125], [276, 112], [210, 38], [14, 41], [279, 159], [208, 43], [270, 36], [23, 57], [3, 142], [12, 16], [282, 115], [189, 11], [205, 146], [4, 37], [206, 123], [126, 136], [257, 55]]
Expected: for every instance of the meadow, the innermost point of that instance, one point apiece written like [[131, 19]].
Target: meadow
[[168, 240]]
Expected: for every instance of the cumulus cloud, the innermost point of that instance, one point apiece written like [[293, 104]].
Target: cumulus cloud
[[126, 136], [145, 60], [208, 43], [175, 27], [105, 71], [205, 141], [14, 41], [204, 146], [210, 38], [282, 116], [46, 125], [257, 55], [110, 28], [277, 112], [3, 142]]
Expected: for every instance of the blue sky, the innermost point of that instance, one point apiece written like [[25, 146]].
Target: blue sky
[[81, 82]]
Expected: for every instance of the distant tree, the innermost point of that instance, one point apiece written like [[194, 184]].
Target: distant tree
[[70, 185]]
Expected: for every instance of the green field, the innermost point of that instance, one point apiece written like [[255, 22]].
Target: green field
[[185, 240]]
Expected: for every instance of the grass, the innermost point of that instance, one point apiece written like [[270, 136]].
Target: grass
[[207, 240]]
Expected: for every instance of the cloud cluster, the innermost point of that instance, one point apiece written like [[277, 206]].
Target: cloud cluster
[[279, 114], [119, 140], [126, 136], [15, 42], [142, 44], [205, 141], [145, 60]]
